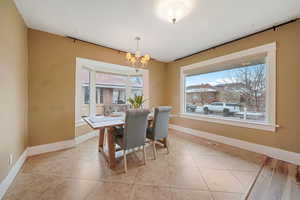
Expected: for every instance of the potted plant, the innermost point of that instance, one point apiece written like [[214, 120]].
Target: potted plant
[[137, 101]]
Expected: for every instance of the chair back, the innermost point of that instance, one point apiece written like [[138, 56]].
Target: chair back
[[161, 122], [136, 122]]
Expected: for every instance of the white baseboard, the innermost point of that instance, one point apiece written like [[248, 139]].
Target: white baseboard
[[86, 136], [39, 149], [280, 154], [44, 148], [4, 185]]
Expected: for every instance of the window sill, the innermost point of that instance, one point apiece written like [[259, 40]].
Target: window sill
[[80, 122], [232, 122]]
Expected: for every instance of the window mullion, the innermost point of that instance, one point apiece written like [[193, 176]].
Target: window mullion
[[128, 88], [92, 93]]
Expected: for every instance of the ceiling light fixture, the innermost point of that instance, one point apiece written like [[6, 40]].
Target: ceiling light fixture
[[136, 60], [174, 10]]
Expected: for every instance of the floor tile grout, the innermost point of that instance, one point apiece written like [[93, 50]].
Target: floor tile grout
[[35, 166]]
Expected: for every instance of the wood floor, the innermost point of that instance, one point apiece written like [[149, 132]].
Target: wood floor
[[277, 180]]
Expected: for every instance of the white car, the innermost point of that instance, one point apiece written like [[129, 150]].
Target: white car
[[222, 107]]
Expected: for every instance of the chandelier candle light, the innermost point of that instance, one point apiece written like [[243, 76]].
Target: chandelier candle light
[[136, 60]]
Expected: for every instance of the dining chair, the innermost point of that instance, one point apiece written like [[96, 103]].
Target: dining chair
[[159, 129], [134, 132]]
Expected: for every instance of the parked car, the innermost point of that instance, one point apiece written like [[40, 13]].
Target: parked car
[[199, 109], [222, 107], [190, 107]]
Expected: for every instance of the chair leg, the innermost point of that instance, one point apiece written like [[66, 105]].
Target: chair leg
[[125, 161], [154, 149], [144, 154], [167, 145]]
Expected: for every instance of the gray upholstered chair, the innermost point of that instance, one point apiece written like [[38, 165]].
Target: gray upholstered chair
[[159, 129], [134, 132]]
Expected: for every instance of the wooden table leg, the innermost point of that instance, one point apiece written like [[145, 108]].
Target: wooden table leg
[[165, 142], [149, 125], [298, 174], [101, 139], [111, 149]]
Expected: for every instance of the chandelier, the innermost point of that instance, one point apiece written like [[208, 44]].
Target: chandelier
[[137, 60]]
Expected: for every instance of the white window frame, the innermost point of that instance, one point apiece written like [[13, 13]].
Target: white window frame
[[94, 67], [270, 51]]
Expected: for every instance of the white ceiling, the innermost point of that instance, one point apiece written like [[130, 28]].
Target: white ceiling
[[115, 23]]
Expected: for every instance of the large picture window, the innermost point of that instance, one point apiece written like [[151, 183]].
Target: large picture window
[[238, 89], [238, 93]]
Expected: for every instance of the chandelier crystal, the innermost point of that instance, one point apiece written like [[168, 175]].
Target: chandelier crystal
[[137, 60]]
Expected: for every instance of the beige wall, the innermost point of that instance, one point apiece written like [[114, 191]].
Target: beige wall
[[13, 85], [52, 86], [52, 83], [288, 93], [81, 130]]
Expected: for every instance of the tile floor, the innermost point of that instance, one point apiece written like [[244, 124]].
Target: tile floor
[[195, 169]]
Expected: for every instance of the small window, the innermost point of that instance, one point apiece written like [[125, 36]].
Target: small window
[[99, 95], [119, 96], [136, 86], [111, 88], [86, 91], [85, 94]]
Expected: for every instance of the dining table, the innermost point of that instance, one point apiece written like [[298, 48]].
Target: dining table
[[106, 126]]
